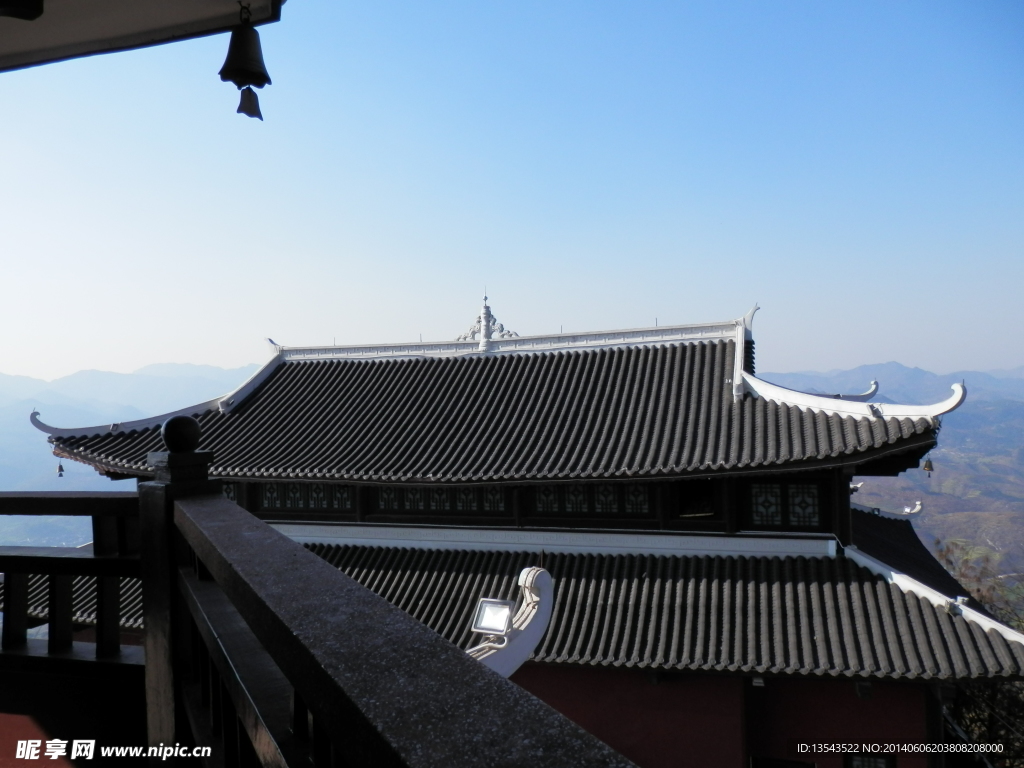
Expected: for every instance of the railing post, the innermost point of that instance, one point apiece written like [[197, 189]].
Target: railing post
[[60, 607], [15, 610], [108, 589], [181, 472]]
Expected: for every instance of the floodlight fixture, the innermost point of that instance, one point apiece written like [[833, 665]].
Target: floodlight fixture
[[493, 617]]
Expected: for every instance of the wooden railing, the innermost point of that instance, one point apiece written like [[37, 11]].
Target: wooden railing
[[263, 651], [113, 554]]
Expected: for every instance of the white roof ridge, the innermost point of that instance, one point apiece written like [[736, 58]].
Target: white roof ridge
[[933, 596], [649, 336]]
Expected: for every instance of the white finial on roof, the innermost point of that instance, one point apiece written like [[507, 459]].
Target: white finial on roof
[[488, 327], [486, 320]]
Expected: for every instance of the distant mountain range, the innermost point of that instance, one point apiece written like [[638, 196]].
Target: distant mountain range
[[83, 399], [976, 491], [900, 384]]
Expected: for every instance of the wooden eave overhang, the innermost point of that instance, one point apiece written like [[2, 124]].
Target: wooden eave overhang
[[72, 28]]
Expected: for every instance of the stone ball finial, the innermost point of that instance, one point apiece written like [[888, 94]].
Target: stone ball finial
[[181, 434]]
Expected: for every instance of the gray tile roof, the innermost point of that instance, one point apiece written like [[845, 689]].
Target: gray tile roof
[[765, 615], [83, 600], [649, 411]]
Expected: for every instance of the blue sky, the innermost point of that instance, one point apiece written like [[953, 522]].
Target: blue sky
[[857, 168]]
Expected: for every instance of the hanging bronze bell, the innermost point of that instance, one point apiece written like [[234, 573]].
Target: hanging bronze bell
[[244, 64], [21, 9], [60, 469], [927, 467], [249, 104]]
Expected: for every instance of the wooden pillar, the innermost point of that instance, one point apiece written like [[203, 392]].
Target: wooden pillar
[[842, 524], [180, 472], [729, 498], [361, 501], [661, 496]]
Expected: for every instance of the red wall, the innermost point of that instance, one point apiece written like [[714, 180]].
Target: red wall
[[723, 720], [686, 721]]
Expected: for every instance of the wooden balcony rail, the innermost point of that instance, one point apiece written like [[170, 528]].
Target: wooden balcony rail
[[261, 649], [255, 646], [112, 556]]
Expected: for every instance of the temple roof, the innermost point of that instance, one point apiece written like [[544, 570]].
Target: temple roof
[[657, 402]]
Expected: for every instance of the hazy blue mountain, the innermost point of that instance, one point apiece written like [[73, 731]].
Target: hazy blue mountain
[[1009, 373], [151, 390], [86, 398], [900, 384]]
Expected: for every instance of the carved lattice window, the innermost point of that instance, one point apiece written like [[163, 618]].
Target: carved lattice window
[[575, 500], [605, 502], [803, 505], [293, 496], [271, 496], [637, 500], [415, 500], [440, 501], [465, 500], [387, 499], [317, 497], [494, 500], [231, 491], [341, 497], [766, 503], [547, 501]]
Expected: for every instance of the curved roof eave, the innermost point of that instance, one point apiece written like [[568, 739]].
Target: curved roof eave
[[224, 403], [850, 407]]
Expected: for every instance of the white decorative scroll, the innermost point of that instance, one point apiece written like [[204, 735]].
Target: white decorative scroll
[[507, 654]]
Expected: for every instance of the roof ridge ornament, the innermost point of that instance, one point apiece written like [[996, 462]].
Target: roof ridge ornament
[[488, 327], [863, 397], [748, 321]]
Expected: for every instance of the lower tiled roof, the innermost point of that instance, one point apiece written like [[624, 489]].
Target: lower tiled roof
[[764, 615], [793, 615], [83, 600]]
